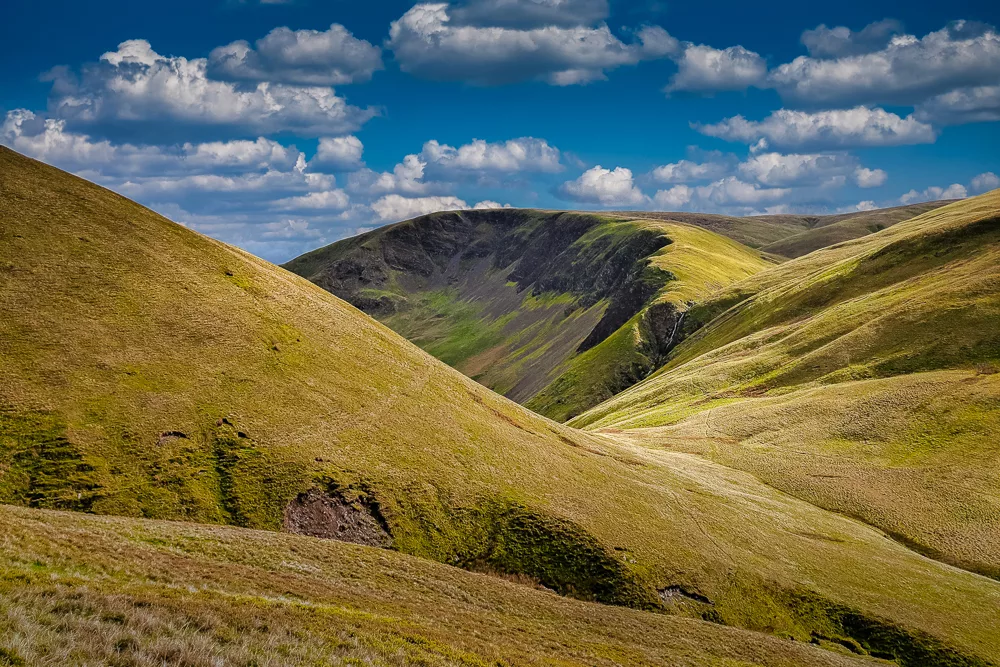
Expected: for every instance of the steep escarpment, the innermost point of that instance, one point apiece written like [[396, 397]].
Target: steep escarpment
[[516, 298]]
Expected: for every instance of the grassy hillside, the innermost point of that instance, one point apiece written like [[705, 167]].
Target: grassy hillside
[[833, 229], [559, 311], [791, 235], [148, 371], [861, 377], [88, 590]]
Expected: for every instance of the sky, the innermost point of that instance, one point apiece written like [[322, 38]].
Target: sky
[[282, 126]]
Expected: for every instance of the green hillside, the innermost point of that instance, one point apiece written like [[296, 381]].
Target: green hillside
[[92, 590], [148, 371], [862, 378], [555, 310], [833, 229]]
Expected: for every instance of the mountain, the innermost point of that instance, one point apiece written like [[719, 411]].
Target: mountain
[[792, 235], [150, 372], [833, 229], [555, 310], [862, 378]]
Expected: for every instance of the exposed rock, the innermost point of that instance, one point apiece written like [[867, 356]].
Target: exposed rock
[[320, 514]]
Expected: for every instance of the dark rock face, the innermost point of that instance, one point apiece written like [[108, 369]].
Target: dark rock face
[[662, 328], [320, 514]]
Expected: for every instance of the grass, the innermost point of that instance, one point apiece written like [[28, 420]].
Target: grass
[[543, 307], [837, 229], [179, 378], [852, 377], [93, 590]]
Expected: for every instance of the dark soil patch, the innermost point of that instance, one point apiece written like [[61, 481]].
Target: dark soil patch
[[329, 516]]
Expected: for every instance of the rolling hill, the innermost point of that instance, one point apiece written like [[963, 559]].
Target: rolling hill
[[149, 372], [862, 378], [555, 310]]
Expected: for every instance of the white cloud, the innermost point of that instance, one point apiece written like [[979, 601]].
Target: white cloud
[[328, 200], [907, 70], [838, 128], [49, 140], [427, 43], [985, 182], [489, 203], [704, 68], [732, 191], [823, 42], [299, 57], [979, 104], [935, 193], [529, 13], [136, 85], [395, 207], [289, 229], [338, 153], [514, 155], [407, 177], [869, 178], [675, 197], [687, 171], [605, 187], [775, 169]]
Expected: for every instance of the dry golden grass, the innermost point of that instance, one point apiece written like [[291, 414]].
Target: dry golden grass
[[120, 328], [825, 380], [86, 590]]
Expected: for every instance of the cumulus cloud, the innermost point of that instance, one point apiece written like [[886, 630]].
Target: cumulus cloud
[[338, 154], [775, 169], [935, 193], [985, 182], [823, 42], [607, 187], [489, 203], [704, 68], [428, 43], [514, 155], [394, 207], [523, 14], [334, 200], [688, 171], [137, 86], [299, 57], [907, 70], [48, 139], [838, 128], [673, 198], [869, 178], [979, 104], [406, 177], [731, 191]]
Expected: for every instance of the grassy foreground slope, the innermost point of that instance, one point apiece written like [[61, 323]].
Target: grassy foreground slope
[[94, 590], [555, 310], [148, 371], [860, 377]]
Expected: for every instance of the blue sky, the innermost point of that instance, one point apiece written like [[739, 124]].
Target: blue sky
[[282, 126]]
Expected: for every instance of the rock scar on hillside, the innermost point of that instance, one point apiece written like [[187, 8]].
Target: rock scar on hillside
[[320, 514]]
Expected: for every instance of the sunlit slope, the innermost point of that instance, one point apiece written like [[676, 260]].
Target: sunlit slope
[[146, 370], [96, 590], [861, 377], [556, 310], [830, 230]]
